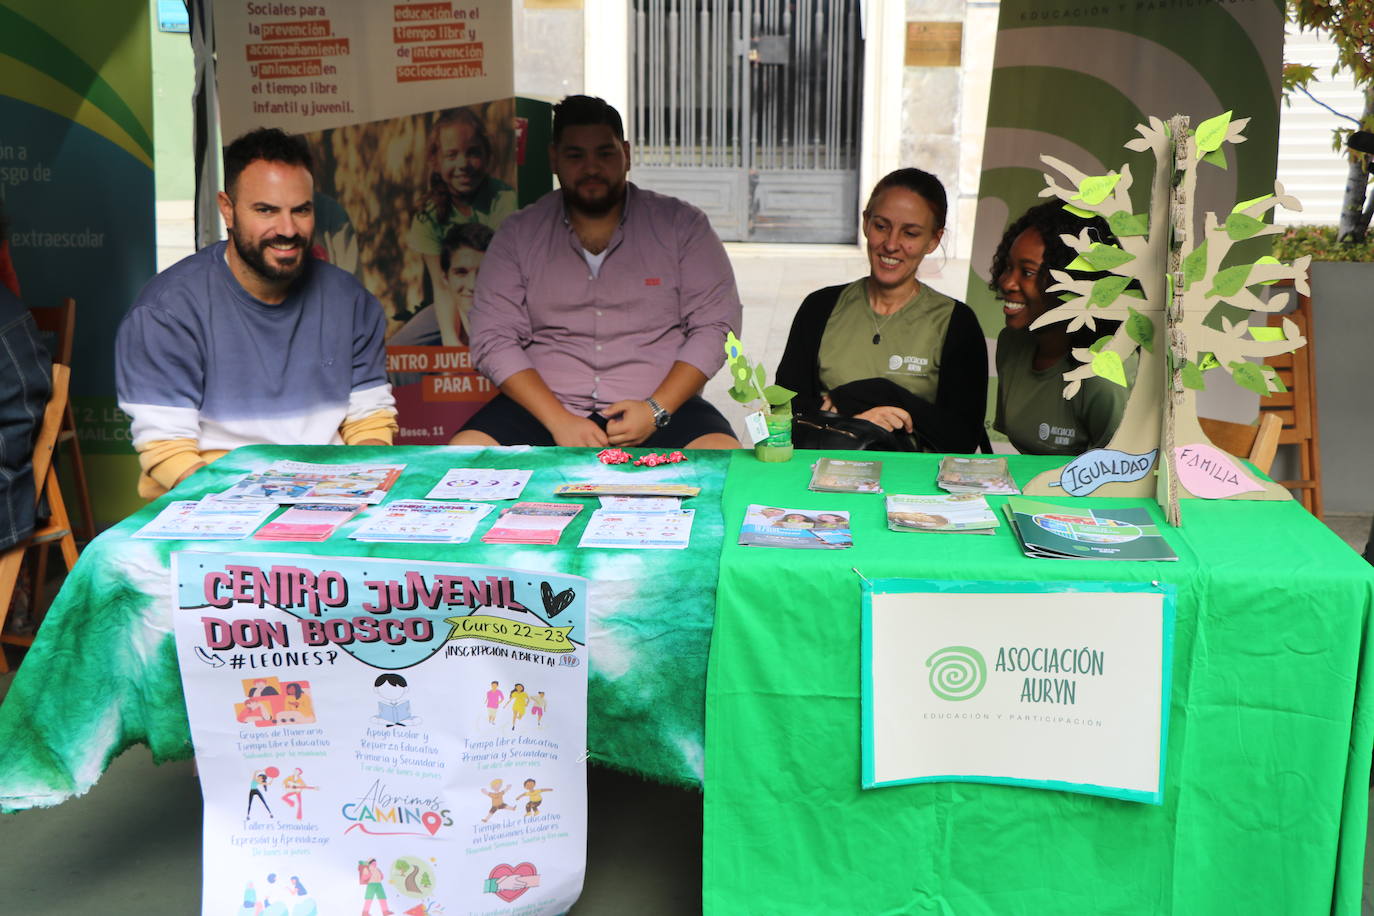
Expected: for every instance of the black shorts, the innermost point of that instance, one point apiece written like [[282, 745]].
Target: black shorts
[[510, 424]]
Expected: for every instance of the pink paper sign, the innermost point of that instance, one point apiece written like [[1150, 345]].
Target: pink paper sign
[[1210, 473]]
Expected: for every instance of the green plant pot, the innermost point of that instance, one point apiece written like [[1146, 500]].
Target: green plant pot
[[778, 445]]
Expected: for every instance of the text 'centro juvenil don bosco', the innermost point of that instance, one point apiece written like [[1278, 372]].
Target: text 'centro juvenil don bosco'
[[291, 587]]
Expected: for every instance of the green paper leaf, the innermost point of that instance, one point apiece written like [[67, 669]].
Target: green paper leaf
[[1217, 157], [1107, 364], [1230, 281], [1097, 188], [1207, 360], [1140, 329], [1247, 204], [1078, 211], [1211, 133], [733, 348], [760, 377], [1268, 259], [1106, 290], [1098, 344], [1266, 334], [1249, 376], [1079, 263], [1192, 376], [1195, 265], [1240, 227], [1129, 224], [776, 395], [1106, 257], [744, 397]]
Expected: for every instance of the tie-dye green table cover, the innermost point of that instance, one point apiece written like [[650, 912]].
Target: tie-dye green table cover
[[102, 674]]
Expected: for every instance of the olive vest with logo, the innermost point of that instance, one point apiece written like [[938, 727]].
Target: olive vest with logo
[[910, 341]]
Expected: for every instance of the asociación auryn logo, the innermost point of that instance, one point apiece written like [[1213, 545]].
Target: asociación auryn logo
[[957, 673]]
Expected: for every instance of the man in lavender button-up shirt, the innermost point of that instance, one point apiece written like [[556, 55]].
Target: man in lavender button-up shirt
[[601, 309]]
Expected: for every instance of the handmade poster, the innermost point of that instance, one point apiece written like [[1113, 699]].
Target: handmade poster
[[1048, 685], [420, 153], [385, 736]]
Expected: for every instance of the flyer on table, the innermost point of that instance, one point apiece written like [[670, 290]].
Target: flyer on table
[[380, 735]]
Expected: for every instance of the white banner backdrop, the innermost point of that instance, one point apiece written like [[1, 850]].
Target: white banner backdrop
[[1045, 684], [385, 736]]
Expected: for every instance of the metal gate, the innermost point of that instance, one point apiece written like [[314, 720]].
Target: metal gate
[[750, 110]]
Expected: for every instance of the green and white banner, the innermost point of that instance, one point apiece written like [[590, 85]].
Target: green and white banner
[[1072, 78], [76, 178], [1041, 684]]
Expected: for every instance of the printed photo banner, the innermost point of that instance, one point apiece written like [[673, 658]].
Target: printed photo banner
[[420, 154], [392, 733], [1049, 685]]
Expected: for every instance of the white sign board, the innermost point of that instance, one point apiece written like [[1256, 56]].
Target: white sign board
[[1051, 685]]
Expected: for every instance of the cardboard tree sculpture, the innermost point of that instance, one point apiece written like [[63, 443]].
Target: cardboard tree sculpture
[[1162, 283]]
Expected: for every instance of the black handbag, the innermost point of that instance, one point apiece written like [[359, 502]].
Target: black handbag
[[826, 430]]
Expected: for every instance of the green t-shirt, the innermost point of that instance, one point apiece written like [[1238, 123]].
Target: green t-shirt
[[908, 351], [1032, 411]]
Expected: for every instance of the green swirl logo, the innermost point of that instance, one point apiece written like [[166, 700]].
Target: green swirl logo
[[957, 673]]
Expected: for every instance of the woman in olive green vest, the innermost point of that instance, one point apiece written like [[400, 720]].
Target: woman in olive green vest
[[1031, 408], [887, 349]]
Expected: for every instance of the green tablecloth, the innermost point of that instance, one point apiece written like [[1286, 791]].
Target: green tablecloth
[[1268, 748], [102, 674]]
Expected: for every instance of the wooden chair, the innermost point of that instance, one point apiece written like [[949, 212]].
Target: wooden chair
[[1255, 443], [58, 527], [58, 326], [1297, 407]]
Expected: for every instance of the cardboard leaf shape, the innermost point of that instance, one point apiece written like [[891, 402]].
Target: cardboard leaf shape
[[1247, 204], [1216, 157], [1268, 259], [1195, 265], [1140, 329], [1097, 188], [1211, 133], [1240, 227], [1266, 334], [1210, 473], [1106, 257], [1107, 364], [1249, 376], [1106, 290], [1079, 211], [1125, 224], [1230, 281]]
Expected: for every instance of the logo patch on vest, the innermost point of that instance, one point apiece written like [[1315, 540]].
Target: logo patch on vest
[[908, 365]]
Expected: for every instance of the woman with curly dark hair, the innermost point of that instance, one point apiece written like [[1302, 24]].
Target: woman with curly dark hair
[[1031, 408]]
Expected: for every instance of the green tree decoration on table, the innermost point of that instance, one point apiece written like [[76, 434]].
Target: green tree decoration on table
[[1164, 283], [749, 386]]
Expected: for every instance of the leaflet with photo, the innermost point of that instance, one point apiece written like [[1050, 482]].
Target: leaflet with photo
[[302, 482], [975, 475], [480, 484], [670, 530], [957, 513], [532, 523], [838, 475], [1067, 532], [208, 520], [424, 521], [309, 522], [807, 529]]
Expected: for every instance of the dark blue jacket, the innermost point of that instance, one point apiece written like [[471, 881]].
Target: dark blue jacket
[[25, 381]]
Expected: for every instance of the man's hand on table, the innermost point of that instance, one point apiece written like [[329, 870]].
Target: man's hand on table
[[578, 431], [631, 422]]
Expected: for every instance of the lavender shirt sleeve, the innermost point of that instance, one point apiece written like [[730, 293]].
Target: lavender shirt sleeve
[[709, 302], [500, 323]]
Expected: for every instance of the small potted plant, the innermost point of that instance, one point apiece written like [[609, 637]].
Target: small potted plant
[[749, 385]]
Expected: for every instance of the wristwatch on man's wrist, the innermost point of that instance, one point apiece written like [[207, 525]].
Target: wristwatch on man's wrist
[[661, 416]]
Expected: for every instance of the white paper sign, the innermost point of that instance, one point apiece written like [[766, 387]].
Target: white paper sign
[[1002, 682], [383, 735]]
